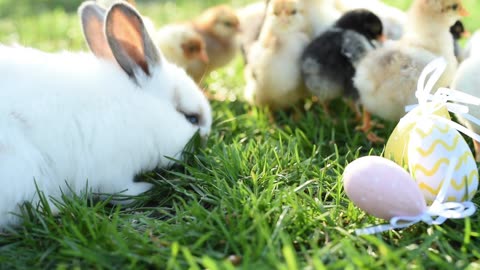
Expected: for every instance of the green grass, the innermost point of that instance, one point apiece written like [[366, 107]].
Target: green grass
[[266, 194]]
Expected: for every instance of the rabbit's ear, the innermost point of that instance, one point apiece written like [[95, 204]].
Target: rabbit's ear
[[130, 42], [92, 18]]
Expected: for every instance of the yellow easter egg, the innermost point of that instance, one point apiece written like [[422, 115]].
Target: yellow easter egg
[[431, 147], [396, 148]]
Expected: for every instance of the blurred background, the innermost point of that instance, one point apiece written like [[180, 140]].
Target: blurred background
[[52, 24]]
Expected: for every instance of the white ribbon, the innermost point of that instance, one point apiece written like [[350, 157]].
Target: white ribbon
[[452, 99], [439, 209], [436, 67]]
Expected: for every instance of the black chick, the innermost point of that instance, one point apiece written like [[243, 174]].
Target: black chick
[[328, 62], [458, 31]]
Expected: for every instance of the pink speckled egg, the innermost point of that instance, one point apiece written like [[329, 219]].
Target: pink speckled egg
[[382, 188]]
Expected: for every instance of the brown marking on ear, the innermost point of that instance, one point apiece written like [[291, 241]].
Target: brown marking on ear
[[129, 41], [98, 48], [92, 20], [125, 30]]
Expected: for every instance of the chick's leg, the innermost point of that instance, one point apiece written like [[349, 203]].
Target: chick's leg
[[367, 126], [366, 122], [325, 108], [373, 138], [354, 106]]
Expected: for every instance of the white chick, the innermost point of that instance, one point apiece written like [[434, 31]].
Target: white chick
[[181, 44], [386, 78], [473, 42], [251, 19], [467, 80], [273, 74], [219, 27], [321, 14]]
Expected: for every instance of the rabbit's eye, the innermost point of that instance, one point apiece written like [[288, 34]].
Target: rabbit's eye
[[193, 118]]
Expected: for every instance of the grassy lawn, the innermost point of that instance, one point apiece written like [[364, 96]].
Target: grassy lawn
[[260, 195]]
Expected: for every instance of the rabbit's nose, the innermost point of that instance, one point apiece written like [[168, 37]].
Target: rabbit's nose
[[204, 138]]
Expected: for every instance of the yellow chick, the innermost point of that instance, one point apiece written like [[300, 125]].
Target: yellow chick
[[273, 73], [319, 15], [386, 78], [251, 19], [181, 44], [219, 27]]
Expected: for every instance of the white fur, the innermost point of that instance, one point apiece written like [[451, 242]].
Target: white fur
[[75, 118], [467, 80]]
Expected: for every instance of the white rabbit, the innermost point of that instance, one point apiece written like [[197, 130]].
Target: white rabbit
[[102, 118]]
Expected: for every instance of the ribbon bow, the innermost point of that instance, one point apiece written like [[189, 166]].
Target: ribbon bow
[[454, 101], [435, 214]]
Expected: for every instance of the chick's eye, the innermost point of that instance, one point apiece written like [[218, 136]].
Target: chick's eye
[[228, 24], [193, 49], [293, 12], [377, 29], [454, 6], [192, 118]]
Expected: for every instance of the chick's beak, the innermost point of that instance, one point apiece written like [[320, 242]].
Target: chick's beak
[[463, 12], [466, 34], [203, 56], [382, 38]]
